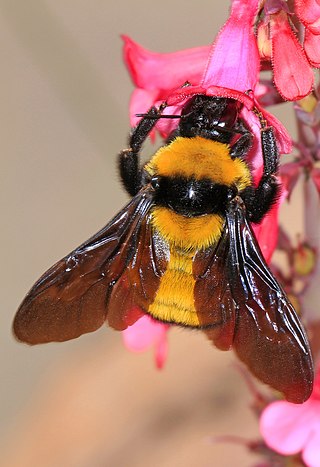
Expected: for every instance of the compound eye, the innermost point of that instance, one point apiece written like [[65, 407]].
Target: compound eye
[[155, 182]]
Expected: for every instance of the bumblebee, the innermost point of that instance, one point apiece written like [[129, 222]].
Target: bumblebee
[[183, 251]]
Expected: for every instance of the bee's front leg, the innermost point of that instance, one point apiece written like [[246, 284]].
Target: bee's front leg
[[129, 160], [259, 200]]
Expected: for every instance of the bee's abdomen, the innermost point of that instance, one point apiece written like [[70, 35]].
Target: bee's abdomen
[[174, 301], [187, 233]]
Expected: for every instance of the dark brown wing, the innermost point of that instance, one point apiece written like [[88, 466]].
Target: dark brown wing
[[267, 335], [241, 304], [75, 295], [214, 302], [137, 286]]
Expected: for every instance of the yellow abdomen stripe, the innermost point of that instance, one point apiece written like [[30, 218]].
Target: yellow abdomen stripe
[[174, 301]]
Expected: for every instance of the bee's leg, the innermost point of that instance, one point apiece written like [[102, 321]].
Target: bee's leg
[[129, 167], [241, 147], [259, 200]]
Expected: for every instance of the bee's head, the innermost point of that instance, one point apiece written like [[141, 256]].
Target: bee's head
[[210, 117]]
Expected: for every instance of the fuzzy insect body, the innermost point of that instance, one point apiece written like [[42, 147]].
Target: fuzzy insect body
[[183, 251]]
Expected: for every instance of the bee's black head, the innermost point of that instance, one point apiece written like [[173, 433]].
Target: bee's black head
[[210, 117]]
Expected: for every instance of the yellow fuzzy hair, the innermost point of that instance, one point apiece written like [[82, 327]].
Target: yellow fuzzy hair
[[188, 233], [199, 158], [174, 301]]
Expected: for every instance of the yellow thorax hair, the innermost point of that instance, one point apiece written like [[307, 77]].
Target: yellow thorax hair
[[200, 158]]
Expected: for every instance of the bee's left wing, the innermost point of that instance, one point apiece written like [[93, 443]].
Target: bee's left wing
[[112, 277], [269, 337]]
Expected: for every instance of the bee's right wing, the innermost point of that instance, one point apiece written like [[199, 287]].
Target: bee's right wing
[[113, 276], [269, 337], [241, 305]]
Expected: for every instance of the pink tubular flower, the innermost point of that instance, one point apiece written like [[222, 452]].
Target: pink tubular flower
[[155, 75], [289, 428], [308, 12], [315, 174], [146, 333], [291, 60], [289, 175], [231, 70], [312, 48], [267, 232], [292, 72]]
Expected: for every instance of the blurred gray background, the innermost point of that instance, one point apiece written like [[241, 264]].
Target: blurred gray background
[[64, 117]]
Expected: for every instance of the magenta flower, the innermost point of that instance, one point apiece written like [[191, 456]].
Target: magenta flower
[[292, 61], [308, 12], [147, 333], [267, 232], [155, 75], [231, 70], [292, 72], [290, 173], [289, 428]]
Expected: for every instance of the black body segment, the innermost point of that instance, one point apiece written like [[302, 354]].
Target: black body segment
[[191, 197]]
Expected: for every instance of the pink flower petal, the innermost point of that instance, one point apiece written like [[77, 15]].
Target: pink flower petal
[[289, 428], [293, 76], [312, 48], [315, 27], [142, 335], [163, 71], [308, 12], [267, 232], [165, 126], [267, 93], [289, 174], [146, 333], [234, 60], [255, 154], [315, 174], [286, 427], [283, 138], [161, 351], [141, 100], [311, 453]]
